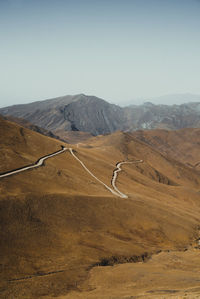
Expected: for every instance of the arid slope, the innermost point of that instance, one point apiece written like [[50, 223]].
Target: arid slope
[[182, 145], [58, 223]]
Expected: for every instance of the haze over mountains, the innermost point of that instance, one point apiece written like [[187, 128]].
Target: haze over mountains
[[168, 99], [96, 116]]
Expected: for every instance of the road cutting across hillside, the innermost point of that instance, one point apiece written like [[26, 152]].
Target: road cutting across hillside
[[115, 175], [115, 191], [83, 165], [39, 163]]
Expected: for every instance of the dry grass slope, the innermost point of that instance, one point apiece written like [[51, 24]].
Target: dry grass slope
[[57, 222]]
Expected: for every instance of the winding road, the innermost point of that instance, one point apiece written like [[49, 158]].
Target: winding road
[[115, 175], [114, 178], [83, 165], [39, 163], [115, 191]]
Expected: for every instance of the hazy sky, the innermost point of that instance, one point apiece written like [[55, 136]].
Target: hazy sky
[[115, 49]]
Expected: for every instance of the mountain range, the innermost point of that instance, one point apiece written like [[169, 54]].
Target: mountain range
[[82, 113], [169, 99]]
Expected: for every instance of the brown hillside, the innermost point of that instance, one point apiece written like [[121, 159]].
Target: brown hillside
[[24, 123], [58, 223], [182, 145], [73, 136]]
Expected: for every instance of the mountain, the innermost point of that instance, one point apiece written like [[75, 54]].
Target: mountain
[[176, 99], [150, 116], [71, 113], [92, 115], [169, 99], [62, 230]]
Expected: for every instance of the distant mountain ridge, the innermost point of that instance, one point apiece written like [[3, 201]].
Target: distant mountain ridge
[[168, 99], [96, 116], [149, 116]]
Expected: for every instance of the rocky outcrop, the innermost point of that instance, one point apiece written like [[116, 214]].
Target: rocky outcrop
[[95, 116]]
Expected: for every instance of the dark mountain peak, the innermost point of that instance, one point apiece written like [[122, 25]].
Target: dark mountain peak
[[71, 113]]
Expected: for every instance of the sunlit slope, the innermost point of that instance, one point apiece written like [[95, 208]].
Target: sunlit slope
[[57, 221], [182, 145], [156, 166], [172, 274], [21, 146]]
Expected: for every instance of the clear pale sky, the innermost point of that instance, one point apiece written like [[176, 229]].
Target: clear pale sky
[[115, 49]]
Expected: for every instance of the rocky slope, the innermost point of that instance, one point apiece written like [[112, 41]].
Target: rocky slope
[[150, 116], [72, 113], [96, 116]]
